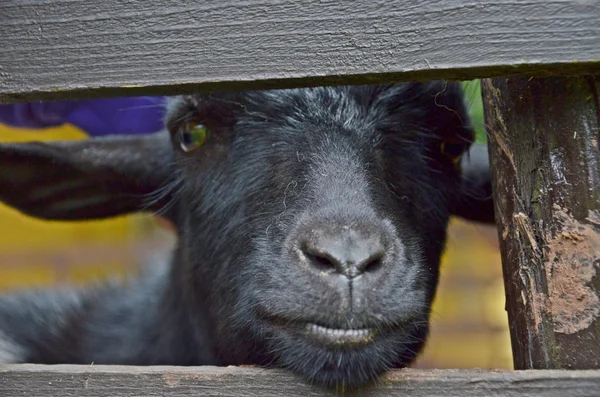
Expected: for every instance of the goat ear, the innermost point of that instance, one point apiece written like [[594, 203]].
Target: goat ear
[[89, 179], [475, 201]]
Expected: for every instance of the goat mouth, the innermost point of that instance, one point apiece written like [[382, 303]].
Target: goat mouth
[[332, 336], [326, 336]]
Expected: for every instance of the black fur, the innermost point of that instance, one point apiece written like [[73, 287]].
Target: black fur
[[276, 165]]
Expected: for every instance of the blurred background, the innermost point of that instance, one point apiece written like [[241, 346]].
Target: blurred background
[[469, 323]]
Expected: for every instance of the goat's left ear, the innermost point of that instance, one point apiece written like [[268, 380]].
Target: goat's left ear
[[475, 201], [88, 179]]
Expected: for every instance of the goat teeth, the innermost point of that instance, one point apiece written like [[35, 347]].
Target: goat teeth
[[332, 335]]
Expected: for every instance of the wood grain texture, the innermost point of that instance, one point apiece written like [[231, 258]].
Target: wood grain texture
[[92, 381], [80, 48], [544, 137]]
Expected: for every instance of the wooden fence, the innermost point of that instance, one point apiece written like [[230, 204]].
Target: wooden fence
[[540, 61]]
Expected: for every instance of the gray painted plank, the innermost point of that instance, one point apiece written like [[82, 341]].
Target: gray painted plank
[[92, 381], [80, 48]]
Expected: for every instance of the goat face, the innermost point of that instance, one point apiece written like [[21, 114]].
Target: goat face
[[311, 224], [312, 221]]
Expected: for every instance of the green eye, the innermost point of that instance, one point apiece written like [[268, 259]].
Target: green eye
[[192, 136]]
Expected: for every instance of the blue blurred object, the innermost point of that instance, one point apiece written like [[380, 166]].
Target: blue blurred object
[[96, 117]]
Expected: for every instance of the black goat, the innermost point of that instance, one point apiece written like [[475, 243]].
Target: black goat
[[311, 224]]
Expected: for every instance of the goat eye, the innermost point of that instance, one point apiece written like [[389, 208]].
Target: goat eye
[[192, 136], [453, 149]]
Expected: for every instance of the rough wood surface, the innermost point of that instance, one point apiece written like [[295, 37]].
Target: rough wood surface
[[544, 137], [92, 381], [77, 48]]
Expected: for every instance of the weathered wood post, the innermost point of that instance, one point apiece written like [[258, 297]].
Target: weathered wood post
[[544, 138]]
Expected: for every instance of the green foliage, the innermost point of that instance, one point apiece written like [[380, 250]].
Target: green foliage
[[472, 89]]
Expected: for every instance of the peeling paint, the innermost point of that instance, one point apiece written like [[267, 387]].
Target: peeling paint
[[524, 227], [502, 145], [594, 218], [496, 94], [538, 302], [573, 302], [558, 165], [529, 294]]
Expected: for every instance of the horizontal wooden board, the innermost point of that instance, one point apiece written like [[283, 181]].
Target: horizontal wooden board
[[117, 381], [81, 48]]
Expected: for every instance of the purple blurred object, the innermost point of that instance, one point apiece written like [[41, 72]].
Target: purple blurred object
[[96, 117]]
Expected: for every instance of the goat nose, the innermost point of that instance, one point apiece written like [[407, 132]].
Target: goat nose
[[346, 251]]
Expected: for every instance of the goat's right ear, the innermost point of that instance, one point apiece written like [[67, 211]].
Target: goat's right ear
[[87, 179]]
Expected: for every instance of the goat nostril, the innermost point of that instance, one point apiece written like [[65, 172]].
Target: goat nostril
[[319, 260], [372, 263], [337, 255]]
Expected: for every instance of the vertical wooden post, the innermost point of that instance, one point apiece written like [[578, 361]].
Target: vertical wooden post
[[544, 138]]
